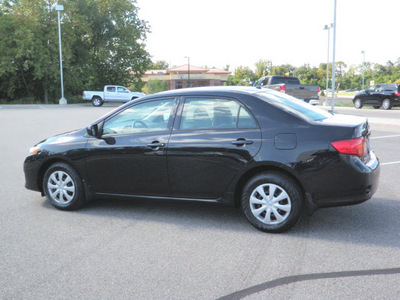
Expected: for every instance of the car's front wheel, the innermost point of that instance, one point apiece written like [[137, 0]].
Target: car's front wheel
[[272, 202], [63, 187], [358, 103], [386, 104]]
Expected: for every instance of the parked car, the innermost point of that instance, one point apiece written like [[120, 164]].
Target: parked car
[[291, 85], [111, 93], [379, 95], [274, 156]]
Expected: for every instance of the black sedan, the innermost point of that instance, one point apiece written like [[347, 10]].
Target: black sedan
[[274, 156]]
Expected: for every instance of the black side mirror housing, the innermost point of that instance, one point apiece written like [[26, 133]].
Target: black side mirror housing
[[95, 130]]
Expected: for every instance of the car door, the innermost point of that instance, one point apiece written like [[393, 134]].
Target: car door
[[123, 94], [130, 157], [212, 140], [373, 95], [110, 94]]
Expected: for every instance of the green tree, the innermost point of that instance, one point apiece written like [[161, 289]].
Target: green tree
[[102, 40], [241, 76], [155, 86], [159, 65], [263, 68], [282, 70]]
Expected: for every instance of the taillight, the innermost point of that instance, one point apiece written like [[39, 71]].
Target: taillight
[[282, 88], [319, 89], [352, 147], [397, 94]]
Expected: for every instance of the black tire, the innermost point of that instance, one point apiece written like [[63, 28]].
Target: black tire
[[376, 106], [387, 104], [263, 212], [97, 101], [358, 103], [63, 187]]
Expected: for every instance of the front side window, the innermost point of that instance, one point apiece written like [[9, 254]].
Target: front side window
[[122, 90], [210, 113], [143, 117], [371, 89]]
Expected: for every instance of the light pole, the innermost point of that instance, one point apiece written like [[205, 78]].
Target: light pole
[[333, 59], [327, 65], [363, 67], [188, 81], [58, 9]]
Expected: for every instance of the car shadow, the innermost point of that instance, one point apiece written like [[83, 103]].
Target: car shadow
[[375, 222]]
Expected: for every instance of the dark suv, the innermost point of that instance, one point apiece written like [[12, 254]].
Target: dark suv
[[379, 95]]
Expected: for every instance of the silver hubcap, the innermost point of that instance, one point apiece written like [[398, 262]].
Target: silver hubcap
[[61, 187], [96, 102], [358, 103], [270, 204], [385, 104]]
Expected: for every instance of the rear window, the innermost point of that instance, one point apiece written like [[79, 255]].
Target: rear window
[[285, 80], [294, 106]]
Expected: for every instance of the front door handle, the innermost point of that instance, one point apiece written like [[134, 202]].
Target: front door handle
[[241, 142]]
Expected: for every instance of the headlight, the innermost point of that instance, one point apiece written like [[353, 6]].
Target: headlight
[[34, 149]]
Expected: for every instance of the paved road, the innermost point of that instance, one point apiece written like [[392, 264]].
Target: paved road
[[167, 250]]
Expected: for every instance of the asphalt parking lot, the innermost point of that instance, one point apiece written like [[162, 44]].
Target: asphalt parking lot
[[167, 250]]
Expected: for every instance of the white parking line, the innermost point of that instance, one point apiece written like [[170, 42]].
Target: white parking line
[[390, 163], [384, 137]]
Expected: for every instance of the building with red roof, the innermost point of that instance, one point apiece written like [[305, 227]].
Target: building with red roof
[[188, 76]]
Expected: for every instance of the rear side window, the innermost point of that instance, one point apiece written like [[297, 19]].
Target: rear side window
[[209, 113], [294, 106]]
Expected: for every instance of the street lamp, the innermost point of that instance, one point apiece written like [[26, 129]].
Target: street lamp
[[59, 8], [333, 59], [327, 65], [188, 80], [363, 67]]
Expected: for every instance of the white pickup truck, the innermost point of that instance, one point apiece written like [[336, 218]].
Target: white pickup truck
[[111, 93]]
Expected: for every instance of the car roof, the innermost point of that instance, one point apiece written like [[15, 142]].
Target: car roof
[[210, 90]]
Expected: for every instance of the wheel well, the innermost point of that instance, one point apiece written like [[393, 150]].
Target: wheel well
[[261, 169], [46, 165]]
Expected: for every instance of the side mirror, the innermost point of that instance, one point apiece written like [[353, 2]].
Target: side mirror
[[95, 130]]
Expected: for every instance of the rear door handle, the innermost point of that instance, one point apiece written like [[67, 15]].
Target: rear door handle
[[241, 142], [156, 145]]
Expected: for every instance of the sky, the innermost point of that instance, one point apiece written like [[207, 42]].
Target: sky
[[216, 33]]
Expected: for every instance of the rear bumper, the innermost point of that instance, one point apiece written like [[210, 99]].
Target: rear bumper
[[352, 186], [313, 102]]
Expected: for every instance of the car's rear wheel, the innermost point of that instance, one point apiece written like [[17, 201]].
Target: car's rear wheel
[[386, 104], [63, 187], [97, 101], [358, 103], [272, 202]]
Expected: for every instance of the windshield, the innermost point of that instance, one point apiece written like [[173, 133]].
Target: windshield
[[294, 106]]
